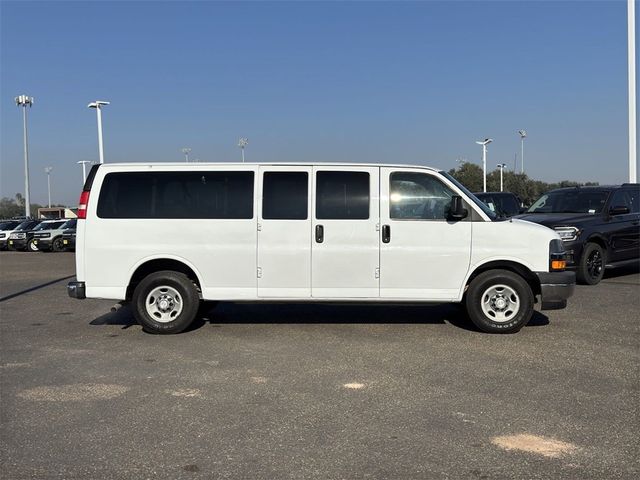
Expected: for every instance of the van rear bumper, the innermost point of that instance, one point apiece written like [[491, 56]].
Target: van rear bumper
[[76, 290], [555, 288]]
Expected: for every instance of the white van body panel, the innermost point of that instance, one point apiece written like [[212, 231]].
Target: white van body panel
[[284, 247], [425, 258], [256, 259], [345, 264]]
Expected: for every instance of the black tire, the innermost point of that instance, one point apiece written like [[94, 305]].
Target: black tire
[[179, 294], [57, 245], [499, 301], [32, 246], [592, 263]]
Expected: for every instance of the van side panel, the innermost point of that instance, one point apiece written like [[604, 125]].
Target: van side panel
[[221, 251]]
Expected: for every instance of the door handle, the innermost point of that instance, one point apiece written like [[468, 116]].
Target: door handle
[[386, 233], [319, 234]]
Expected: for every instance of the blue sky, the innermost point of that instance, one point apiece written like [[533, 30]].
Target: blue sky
[[395, 82]]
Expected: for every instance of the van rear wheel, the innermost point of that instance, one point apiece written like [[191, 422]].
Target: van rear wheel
[[499, 301], [165, 302]]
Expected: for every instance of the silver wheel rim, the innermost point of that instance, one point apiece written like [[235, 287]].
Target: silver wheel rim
[[500, 303], [33, 247], [164, 304]]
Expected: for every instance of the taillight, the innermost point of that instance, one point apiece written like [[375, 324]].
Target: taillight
[[83, 203]]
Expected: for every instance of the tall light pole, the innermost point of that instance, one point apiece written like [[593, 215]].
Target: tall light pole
[[631, 39], [186, 151], [84, 169], [25, 101], [98, 104], [48, 171], [523, 135], [243, 142], [484, 144], [501, 166]]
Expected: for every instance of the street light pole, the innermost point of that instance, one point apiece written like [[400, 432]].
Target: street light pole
[[98, 104], [243, 142], [186, 151], [523, 135], [631, 39], [84, 169], [501, 166], [25, 101], [484, 144], [48, 170]]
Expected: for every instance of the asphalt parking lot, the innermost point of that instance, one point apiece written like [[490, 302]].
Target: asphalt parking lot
[[322, 392]]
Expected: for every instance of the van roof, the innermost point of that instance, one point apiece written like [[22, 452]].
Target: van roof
[[264, 164]]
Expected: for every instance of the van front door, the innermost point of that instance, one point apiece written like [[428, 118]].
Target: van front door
[[346, 245], [284, 232], [423, 254]]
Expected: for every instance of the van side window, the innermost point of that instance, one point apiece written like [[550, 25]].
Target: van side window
[[285, 195], [177, 195], [342, 195], [418, 196]]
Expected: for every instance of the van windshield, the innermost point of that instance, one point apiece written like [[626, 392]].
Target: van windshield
[[483, 206]]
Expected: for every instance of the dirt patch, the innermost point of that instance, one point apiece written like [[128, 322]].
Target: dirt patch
[[73, 393], [258, 379], [185, 392], [547, 447], [354, 386]]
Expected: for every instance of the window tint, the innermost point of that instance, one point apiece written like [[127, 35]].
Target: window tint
[[621, 198], [508, 205], [570, 201], [285, 195], [177, 195], [418, 196], [342, 195]]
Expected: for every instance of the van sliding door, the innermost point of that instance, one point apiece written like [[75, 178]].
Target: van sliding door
[[284, 232], [345, 251]]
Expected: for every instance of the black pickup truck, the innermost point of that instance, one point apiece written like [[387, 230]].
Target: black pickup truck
[[600, 226]]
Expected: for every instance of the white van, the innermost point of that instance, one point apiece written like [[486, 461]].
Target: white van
[[168, 236]]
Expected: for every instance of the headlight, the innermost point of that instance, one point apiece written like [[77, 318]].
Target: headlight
[[16, 236], [567, 234]]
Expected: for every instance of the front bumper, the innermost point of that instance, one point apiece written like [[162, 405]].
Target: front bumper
[[69, 243], [43, 243], [555, 288], [17, 244], [76, 290]]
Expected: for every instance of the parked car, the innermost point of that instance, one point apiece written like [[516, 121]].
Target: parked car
[[505, 204], [6, 227], [69, 239], [307, 233], [49, 235], [600, 226], [20, 237]]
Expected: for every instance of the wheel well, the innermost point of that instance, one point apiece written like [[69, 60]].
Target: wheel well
[[158, 265], [598, 240], [514, 267]]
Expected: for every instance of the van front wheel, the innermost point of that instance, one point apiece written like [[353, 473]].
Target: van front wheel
[[499, 301], [165, 302]]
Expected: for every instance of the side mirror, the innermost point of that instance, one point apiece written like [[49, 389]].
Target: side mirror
[[457, 210], [618, 210]]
